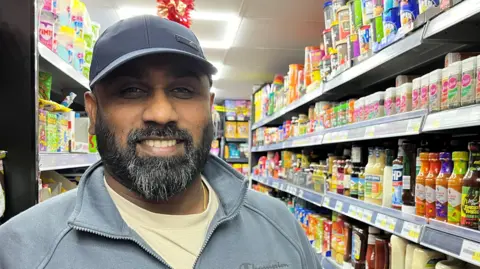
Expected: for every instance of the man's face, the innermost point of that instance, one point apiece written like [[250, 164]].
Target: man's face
[[153, 124]]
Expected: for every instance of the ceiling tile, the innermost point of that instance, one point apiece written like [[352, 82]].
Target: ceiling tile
[[288, 10], [209, 30], [218, 5]]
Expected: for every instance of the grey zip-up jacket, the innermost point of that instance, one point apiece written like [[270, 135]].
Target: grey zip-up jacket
[[82, 229]]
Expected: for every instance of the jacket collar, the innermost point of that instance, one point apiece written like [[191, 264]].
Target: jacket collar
[[95, 211]]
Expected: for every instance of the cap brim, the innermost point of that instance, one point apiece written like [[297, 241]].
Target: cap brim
[[204, 64]]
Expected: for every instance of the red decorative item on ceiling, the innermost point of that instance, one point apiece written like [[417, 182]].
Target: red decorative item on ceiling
[[176, 10]]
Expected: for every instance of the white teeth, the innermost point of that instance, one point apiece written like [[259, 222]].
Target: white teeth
[[160, 143]]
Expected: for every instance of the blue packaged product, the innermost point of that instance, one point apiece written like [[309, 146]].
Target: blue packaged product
[[391, 21], [388, 4], [408, 13]]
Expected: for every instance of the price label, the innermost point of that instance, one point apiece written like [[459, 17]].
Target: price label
[[360, 213], [370, 132], [413, 126], [391, 223], [436, 123], [411, 231], [471, 252], [367, 215], [327, 138], [352, 211], [275, 185], [326, 202], [339, 206], [381, 221], [343, 135], [283, 186]]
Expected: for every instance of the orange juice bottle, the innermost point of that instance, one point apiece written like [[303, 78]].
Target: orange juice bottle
[[430, 209], [460, 159], [441, 186], [420, 185]]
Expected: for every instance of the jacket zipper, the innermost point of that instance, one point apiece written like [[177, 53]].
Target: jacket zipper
[[215, 227], [123, 238]]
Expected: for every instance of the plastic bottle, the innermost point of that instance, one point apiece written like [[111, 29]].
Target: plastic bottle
[[397, 175], [375, 179], [430, 200], [369, 173], [388, 180], [354, 178], [408, 194], [420, 184], [359, 246], [348, 170], [361, 184], [470, 189], [441, 186], [398, 252], [333, 183], [460, 159], [370, 258], [340, 176]]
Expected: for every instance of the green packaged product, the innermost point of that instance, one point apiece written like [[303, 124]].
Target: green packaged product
[[44, 85], [88, 56]]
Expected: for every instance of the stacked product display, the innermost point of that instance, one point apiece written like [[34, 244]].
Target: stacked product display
[[66, 29]]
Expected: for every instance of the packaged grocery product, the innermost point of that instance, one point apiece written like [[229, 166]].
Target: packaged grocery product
[[77, 18], [242, 129], [453, 57], [231, 129], [367, 11], [397, 175], [326, 68], [430, 185], [409, 255], [343, 17], [441, 186], [454, 84], [416, 86], [65, 38], [353, 46], [450, 264], [405, 97], [408, 14], [454, 191], [46, 28], [327, 235], [95, 30], [402, 79], [42, 131], [308, 64], [377, 105], [64, 8], [356, 20], [470, 211], [315, 59], [398, 252], [390, 101], [327, 40], [335, 31], [469, 80], [377, 29], [424, 92], [328, 14], [52, 135], [337, 4], [335, 61], [391, 21], [342, 52], [424, 258], [44, 85], [78, 54], [358, 110], [365, 39], [444, 93], [426, 4], [49, 5], [435, 86]]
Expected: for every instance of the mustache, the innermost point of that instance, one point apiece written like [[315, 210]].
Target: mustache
[[168, 130]]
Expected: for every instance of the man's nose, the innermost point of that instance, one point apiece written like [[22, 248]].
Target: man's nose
[[160, 109]]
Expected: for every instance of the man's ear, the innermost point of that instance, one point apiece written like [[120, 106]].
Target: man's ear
[[212, 98], [91, 109]]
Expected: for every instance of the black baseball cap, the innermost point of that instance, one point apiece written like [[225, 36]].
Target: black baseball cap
[[144, 35]]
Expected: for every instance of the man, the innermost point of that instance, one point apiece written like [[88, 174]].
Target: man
[[157, 199]]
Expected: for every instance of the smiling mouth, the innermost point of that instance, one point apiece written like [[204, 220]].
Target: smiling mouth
[[161, 142]]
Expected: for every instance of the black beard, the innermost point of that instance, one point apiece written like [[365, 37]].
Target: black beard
[[153, 178]]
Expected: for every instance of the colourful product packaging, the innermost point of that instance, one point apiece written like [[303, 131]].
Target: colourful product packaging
[[405, 97], [416, 85], [52, 134], [315, 59], [242, 129], [42, 130], [390, 101], [62, 130], [343, 17], [391, 21], [355, 9], [424, 91], [478, 81], [46, 27], [50, 6], [353, 46], [95, 30], [65, 38], [377, 29], [328, 40], [327, 236], [78, 54], [231, 129], [231, 113], [408, 14], [92, 143], [365, 39], [435, 90], [444, 94], [367, 11], [469, 81], [44, 85], [454, 84], [77, 18], [64, 8], [86, 70], [328, 14]]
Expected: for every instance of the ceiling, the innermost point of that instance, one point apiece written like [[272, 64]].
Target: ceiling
[[265, 36]]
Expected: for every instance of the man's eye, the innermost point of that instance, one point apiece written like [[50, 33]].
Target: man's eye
[[182, 93], [133, 92]]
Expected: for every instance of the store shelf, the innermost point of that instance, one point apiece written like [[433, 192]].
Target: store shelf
[[285, 186], [329, 263], [55, 161], [236, 160], [65, 78], [295, 142], [462, 117], [392, 126], [463, 243], [298, 103], [391, 220], [236, 140]]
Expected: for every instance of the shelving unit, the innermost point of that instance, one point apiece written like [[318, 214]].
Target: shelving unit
[[56, 161], [438, 34], [236, 160]]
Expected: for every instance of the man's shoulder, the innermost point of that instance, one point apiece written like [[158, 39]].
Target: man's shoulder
[[35, 231]]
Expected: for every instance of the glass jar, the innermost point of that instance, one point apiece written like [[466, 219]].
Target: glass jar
[[302, 124], [294, 128]]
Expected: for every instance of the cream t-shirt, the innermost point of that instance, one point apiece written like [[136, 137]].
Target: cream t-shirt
[[176, 238]]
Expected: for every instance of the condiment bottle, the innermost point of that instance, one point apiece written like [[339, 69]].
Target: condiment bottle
[[470, 189], [372, 236], [430, 209], [369, 172], [408, 195], [354, 178], [397, 174], [340, 175], [361, 184], [441, 186], [375, 178], [333, 183], [455, 186], [381, 253], [347, 177], [359, 246], [420, 185], [388, 180]]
